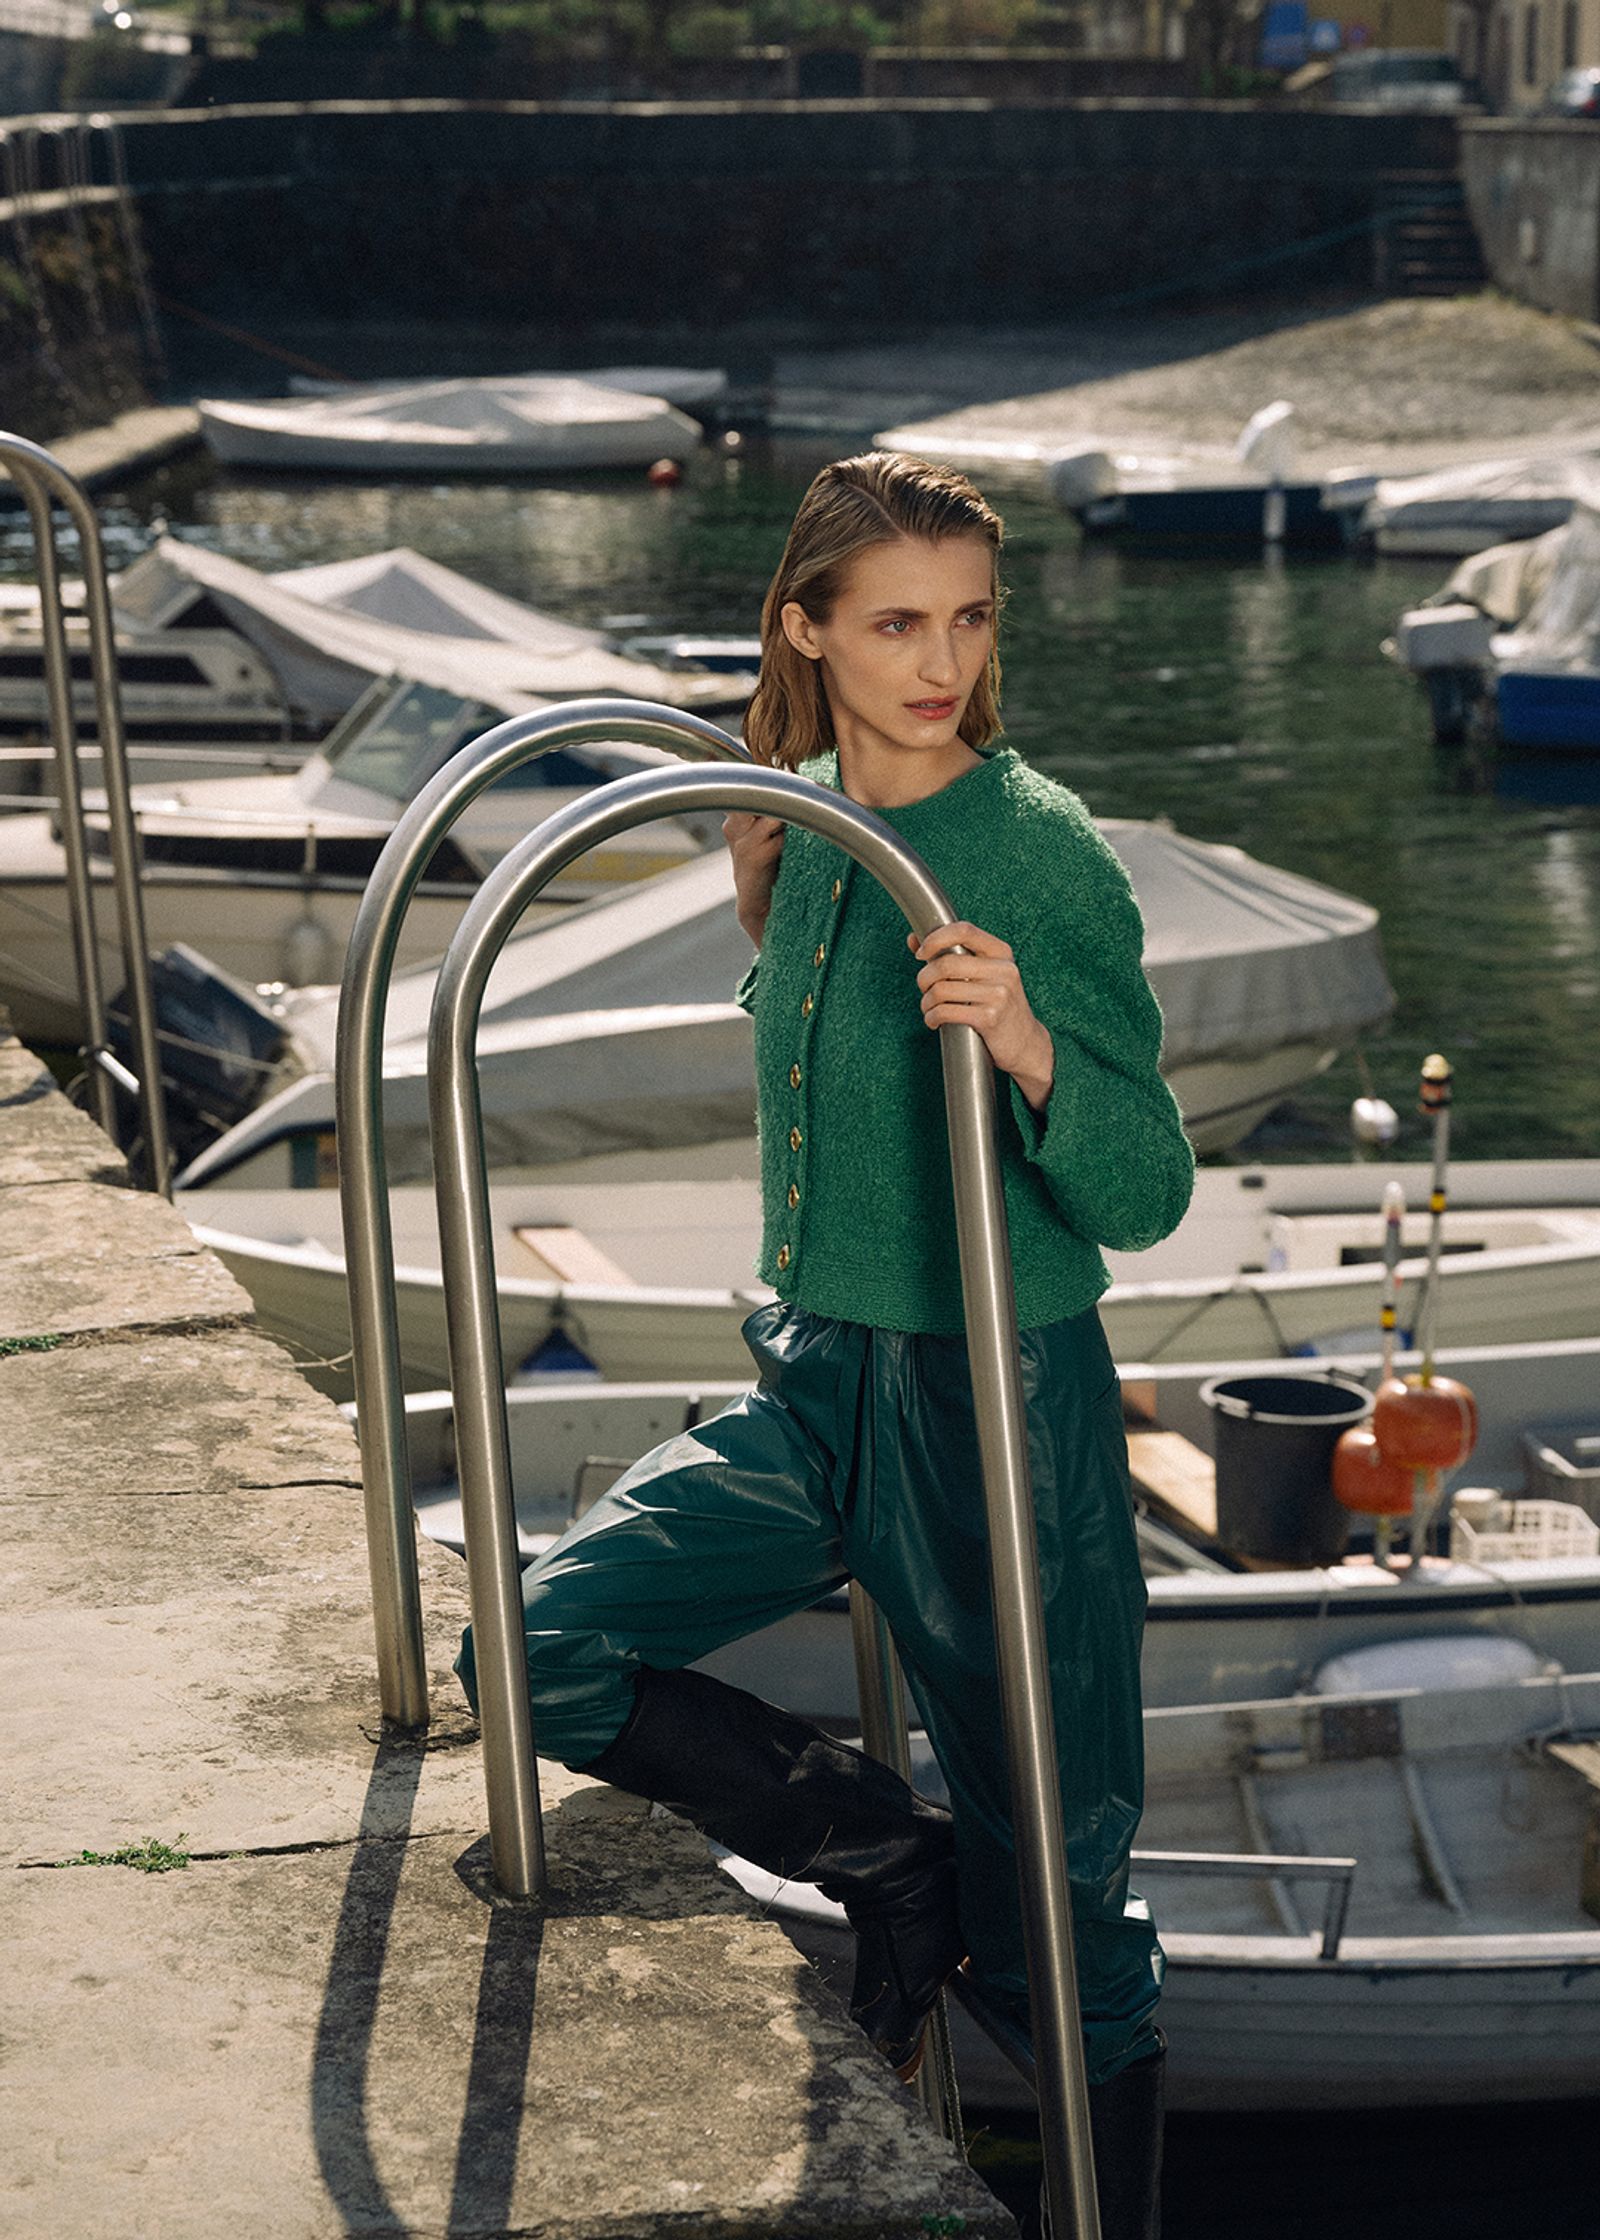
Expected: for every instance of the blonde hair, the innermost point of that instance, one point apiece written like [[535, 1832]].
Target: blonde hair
[[852, 505]]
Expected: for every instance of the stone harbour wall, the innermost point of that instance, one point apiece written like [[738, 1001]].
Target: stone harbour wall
[[1533, 187], [804, 216]]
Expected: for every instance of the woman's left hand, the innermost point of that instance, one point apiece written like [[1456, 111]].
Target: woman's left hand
[[983, 989]]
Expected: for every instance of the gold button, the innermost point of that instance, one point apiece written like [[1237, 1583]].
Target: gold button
[[783, 1255], [838, 889], [806, 1008], [821, 952], [794, 1195], [794, 1077], [795, 1139]]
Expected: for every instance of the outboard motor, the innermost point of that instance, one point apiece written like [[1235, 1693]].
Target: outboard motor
[[220, 1046]]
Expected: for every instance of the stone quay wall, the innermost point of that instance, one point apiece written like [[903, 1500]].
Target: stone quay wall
[[795, 217], [1533, 187]]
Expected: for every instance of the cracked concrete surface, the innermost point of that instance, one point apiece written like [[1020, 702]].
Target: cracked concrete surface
[[326, 2024]]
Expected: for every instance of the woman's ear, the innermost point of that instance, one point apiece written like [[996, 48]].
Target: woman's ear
[[797, 628]]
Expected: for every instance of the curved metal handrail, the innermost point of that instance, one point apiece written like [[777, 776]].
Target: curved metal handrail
[[44, 482], [483, 1447], [358, 1123]]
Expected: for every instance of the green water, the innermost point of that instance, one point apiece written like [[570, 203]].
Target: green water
[[1244, 701]]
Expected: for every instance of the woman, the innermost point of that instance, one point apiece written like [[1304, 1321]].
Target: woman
[[856, 1456]]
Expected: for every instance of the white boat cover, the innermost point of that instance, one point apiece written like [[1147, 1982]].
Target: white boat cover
[[1504, 581], [517, 423], [327, 632], [1243, 958], [1463, 509], [690, 388], [1561, 624]]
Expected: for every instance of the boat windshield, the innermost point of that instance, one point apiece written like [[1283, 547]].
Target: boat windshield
[[408, 736], [398, 735]]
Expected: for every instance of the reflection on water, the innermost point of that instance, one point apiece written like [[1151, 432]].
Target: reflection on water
[[1245, 701]]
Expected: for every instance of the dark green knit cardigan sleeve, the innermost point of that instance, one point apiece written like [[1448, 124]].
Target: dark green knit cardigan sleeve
[[1110, 1142]]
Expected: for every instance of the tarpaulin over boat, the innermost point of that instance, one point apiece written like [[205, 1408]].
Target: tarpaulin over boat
[[526, 423], [1562, 622], [1261, 976], [1242, 956], [1463, 509], [327, 632]]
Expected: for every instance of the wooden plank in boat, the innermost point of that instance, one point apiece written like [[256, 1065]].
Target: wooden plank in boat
[[568, 1255], [1178, 1479], [1584, 1759]]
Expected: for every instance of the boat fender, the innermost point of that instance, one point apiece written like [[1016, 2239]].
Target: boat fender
[[1433, 1662], [307, 953]]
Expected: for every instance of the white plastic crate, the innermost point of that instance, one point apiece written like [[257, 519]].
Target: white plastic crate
[[1527, 1531]]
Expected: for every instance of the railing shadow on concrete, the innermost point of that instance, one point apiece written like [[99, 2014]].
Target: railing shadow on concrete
[[349, 2014]]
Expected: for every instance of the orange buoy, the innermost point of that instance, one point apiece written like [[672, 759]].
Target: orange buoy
[[1364, 1479], [1430, 1425], [666, 474]]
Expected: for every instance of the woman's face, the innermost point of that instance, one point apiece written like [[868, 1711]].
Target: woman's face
[[906, 643]]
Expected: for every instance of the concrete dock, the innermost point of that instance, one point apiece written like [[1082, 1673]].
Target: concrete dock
[[295, 2011]]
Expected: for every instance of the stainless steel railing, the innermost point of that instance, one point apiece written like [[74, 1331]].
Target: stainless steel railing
[[358, 1119], [477, 1378], [44, 483]]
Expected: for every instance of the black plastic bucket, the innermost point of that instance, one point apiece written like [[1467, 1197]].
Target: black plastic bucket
[[1275, 1438]]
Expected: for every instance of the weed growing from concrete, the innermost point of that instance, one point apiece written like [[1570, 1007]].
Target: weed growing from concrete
[[150, 1857], [45, 1343]]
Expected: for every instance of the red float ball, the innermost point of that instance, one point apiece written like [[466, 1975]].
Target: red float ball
[[1364, 1479], [1425, 1426], [666, 474]]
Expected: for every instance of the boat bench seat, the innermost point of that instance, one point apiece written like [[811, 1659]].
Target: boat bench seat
[[568, 1255], [1583, 1759], [1176, 1476]]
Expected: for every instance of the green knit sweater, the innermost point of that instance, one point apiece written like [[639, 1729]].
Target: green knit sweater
[[859, 1221]]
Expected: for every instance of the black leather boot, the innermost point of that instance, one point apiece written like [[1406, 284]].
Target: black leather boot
[[1125, 2118], [789, 1797]]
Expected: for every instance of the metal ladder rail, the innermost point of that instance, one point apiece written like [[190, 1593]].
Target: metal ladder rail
[[44, 483], [358, 1124], [477, 1379], [886, 1734]]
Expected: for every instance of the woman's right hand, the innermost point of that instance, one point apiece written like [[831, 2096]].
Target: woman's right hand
[[756, 844]]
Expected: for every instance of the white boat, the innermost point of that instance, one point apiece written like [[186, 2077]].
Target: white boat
[[1262, 977], [1252, 494], [644, 1261], [263, 874], [1153, 487], [1466, 1969], [693, 389], [1213, 1633], [214, 656], [516, 424], [1428, 1729], [1512, 642], [1464, 509], [195, 700]]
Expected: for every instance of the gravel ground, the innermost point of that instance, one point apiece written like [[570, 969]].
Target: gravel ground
[[1413, 380]]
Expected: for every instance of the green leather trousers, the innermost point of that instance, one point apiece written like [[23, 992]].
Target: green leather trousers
[[856, 1457]]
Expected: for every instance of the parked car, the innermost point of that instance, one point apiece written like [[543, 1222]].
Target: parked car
[[1576, 93], [1397, 78]]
